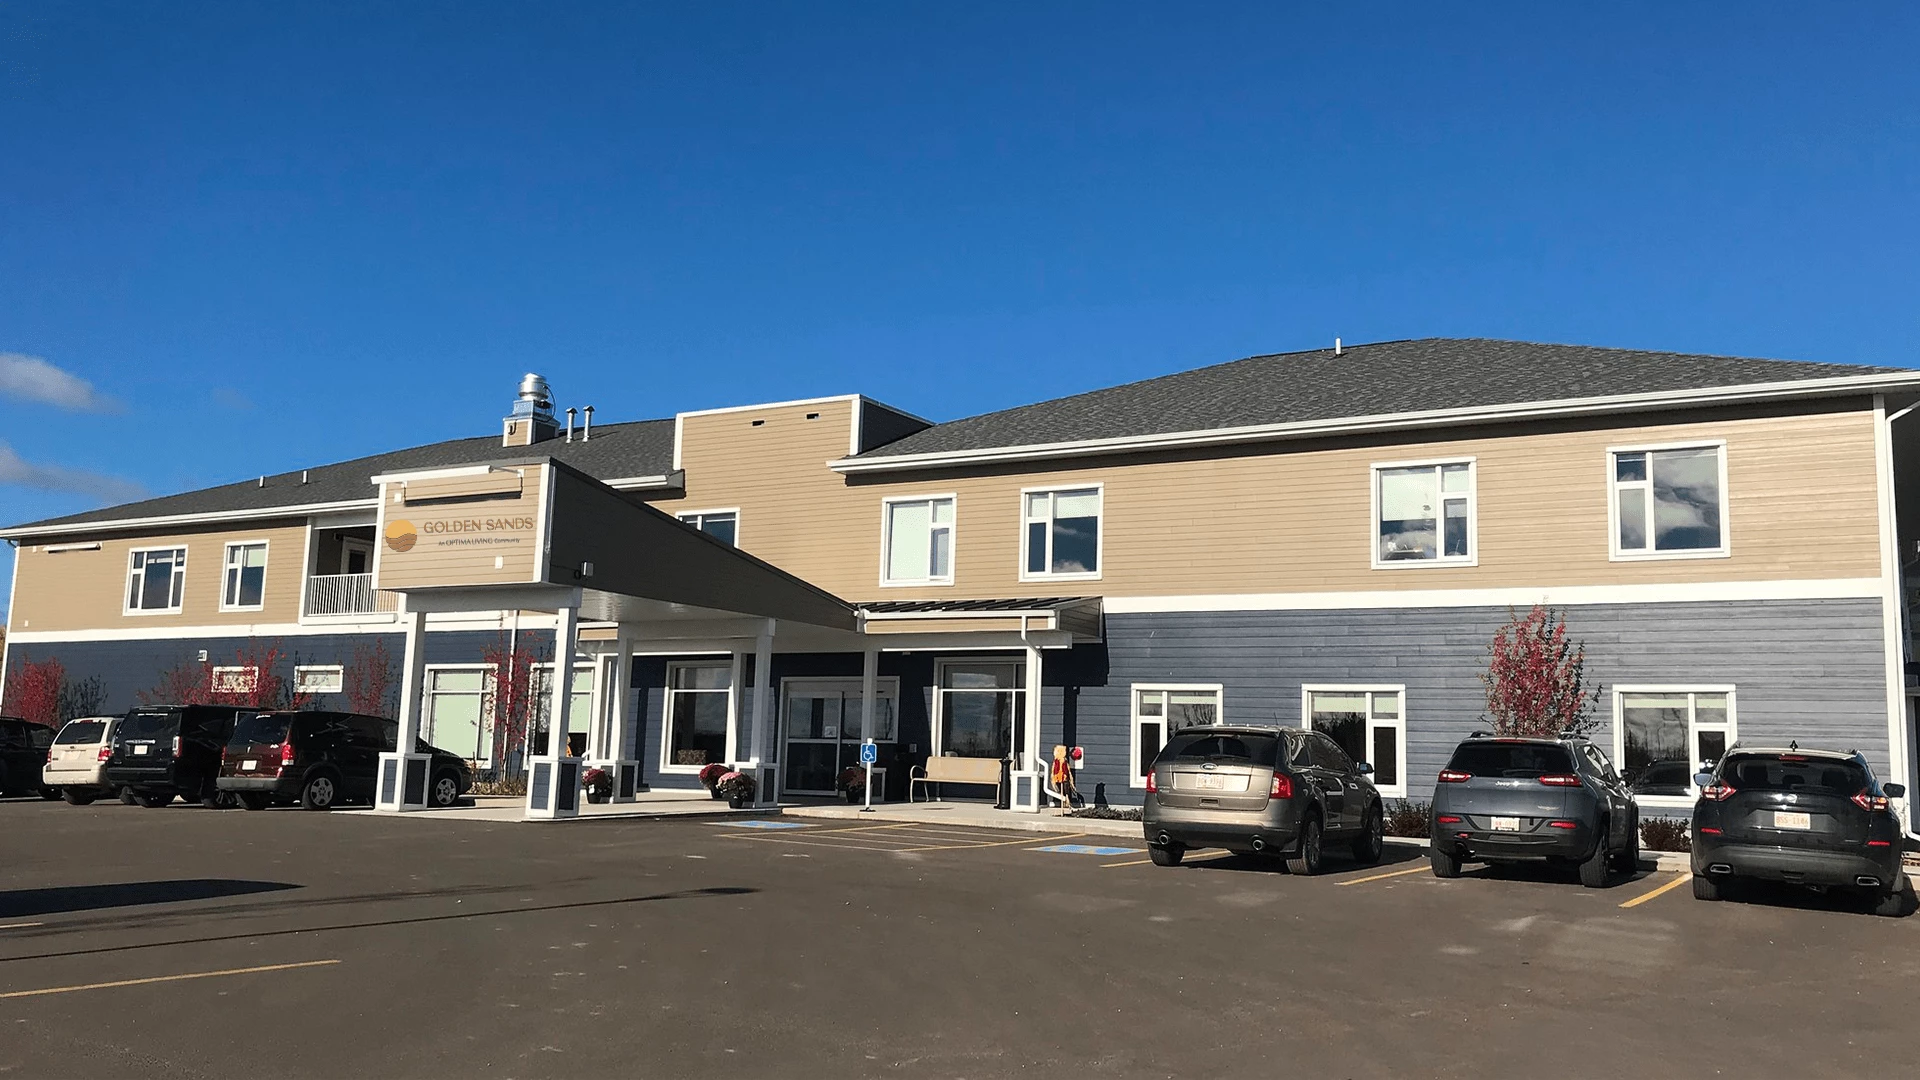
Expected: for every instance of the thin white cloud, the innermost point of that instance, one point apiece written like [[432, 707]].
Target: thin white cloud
[[108, 489], [31, 378]]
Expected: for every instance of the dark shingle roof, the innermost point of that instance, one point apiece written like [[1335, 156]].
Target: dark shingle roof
[[1365, 380], [640, 448]]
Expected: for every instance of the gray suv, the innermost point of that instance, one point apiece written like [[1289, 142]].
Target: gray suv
[[1505, 800], [1260, 790]]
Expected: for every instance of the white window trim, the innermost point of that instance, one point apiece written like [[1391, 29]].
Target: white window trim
[[226, 552], [886, 541], [488, 687], [685, 515], [126, 583], [251, 679], [666, 711], [1472, 557], [938, 723], [1619, 758], [1134, 718], [337, 671], [1614, 552], [1307, 690], [575, 723], [1099, 488]]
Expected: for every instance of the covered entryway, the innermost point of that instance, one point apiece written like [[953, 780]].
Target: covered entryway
[[823, 722]]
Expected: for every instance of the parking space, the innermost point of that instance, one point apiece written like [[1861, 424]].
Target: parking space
[[696, 948]]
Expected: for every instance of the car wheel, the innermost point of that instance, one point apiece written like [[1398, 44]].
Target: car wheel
[[1305, 859], [1595, 871], [1445, 863], [1166, 856], [445, 791], [1628, 862], [319, 793], [1891, 904], [152, 802], [49, 793], [76, 797], [128, 798], [253, 800], [1705, 888], [1372, 841]]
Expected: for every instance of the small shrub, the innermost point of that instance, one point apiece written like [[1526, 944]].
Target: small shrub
[[508, 784], [1409, 819], [1666, 834], [1108, 813]]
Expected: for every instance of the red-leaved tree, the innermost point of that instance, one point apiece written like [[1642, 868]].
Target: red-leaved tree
[[511, 698], [33, 691], [370, 680], [1536, 678]]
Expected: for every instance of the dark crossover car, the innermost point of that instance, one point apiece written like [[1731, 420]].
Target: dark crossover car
[[322, 759], [23, 750], [1506, 799], [1260, 790], [1804, 817], [160, 751]]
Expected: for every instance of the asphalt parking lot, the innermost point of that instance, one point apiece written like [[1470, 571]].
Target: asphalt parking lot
[[189, 943]]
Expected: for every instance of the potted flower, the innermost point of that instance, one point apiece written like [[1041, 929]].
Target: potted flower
[[853, 781], [737, 788], [710, 775], [599, 785]]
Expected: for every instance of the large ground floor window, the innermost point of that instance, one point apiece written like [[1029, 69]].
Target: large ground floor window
[[1369, 723], [699, 712], [1663, 734], [579, 709], [454, 714], [1161, 710], [981, 709], [824, 724]]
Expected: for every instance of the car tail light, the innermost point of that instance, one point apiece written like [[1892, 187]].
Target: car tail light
[[286, 758], [1563, 824], [49, 757], [1282, 787], [176, 746], [105, 753], [1454, 776], [1709, 830], [1879, 843], [1153, 786], [1717, 792], [1866, 800], [1448, 819], [1560, 780]]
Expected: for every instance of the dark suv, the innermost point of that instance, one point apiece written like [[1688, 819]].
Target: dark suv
[[1260, 790], [1505, 800], [160, 751], [23, 750], [321, 759], [1804, 817]]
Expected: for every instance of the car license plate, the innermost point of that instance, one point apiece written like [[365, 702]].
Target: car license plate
[[249, 765], [1212, 782], [1784, 820], [138, 750], [1506, 824]]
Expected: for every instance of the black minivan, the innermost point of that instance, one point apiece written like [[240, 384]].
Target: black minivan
[[322, 759], [160, 751]]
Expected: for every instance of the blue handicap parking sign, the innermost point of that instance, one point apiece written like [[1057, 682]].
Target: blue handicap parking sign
[[1088, 849], [869, 753]]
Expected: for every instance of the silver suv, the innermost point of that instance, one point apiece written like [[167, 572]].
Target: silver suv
[[1507, 800], [1260, 790]]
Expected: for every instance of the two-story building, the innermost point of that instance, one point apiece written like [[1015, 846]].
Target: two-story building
[[1326, 538]]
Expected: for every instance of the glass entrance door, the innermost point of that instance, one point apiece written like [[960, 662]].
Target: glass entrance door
[[824, 728]]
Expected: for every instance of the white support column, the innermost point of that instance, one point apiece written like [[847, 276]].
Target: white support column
[[553, 785], [1027, 780], [402, 782], [761, 744], [617, 753]]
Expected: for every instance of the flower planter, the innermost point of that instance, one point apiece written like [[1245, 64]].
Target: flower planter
[[739, 802], [853, 795], [599, 797], [715, 792]]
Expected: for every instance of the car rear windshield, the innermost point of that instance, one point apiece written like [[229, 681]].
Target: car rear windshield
[[82, 731], [261, 729], [1784, 772], [1524, 760], [1243, 748], [150, 725]]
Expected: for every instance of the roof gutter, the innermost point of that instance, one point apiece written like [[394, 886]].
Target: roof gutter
[[124, 524], [1683, 399]]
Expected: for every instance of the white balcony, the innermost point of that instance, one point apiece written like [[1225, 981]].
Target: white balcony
[[347, 594]]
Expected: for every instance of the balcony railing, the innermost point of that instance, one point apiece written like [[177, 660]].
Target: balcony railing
[[347, 594]]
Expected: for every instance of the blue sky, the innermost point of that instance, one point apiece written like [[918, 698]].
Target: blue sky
[[244, 238]]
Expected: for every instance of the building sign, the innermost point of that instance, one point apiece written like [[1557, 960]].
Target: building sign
[[458, 528]]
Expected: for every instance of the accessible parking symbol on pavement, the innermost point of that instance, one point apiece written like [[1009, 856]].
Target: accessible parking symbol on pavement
[[758, 823], [1088, 849]]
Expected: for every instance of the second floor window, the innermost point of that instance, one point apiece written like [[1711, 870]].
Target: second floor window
[[1423, 513], [1669, 501], [919, 541], [1062, 537], [155, 579], [722, 525], [243, 584]]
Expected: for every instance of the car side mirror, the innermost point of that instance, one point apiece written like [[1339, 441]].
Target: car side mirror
[[1894, 791], [1702, 779], [1363, 769]]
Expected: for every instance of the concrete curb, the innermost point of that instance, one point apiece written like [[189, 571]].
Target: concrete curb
[[1031, 823]]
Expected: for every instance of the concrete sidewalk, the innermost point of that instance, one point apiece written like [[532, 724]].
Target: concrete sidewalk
[[648, 804], [977, 815]]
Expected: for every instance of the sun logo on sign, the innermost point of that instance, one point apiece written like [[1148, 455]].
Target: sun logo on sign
[[400, 535]]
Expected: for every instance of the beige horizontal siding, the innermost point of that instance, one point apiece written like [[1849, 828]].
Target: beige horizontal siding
[[87, 590], [1801, 504], [489, 537]]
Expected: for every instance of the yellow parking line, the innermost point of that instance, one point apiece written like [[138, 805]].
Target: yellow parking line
[[167, 978], [1190, 858], [19, 925], [1382, 877], [1678, 881]]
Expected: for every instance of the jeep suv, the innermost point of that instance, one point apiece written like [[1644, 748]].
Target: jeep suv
[[1803, 817], [1260, 790], [1508, 799]]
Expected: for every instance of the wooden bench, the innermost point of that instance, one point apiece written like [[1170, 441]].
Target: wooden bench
[[956, 770]]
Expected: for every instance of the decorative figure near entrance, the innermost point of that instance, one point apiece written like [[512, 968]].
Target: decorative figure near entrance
[[1060, 785]]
